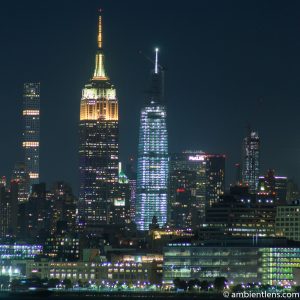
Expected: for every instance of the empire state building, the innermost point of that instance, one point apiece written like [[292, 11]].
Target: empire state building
[[98, 144]]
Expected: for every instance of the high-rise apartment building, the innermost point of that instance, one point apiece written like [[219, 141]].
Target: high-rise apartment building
[[31, 131], [153, 160], [98, 144], [251, 163]]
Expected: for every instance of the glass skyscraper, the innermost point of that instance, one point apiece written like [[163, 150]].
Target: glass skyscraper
[[98, 144], [250, 174], [31, 130], [153, 160]]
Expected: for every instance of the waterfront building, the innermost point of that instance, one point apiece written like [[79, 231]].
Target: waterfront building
[[99, 273], [20, 251], [238, 260]]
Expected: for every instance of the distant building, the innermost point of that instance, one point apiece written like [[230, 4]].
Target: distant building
[[119, 212], [63, 205], [242, 214], [274, 186], [131, 174], [19, 251], [35, 215], [62, 247], [31, 131], [238, 174], [8, 213], [20, 177], [251, 160], [153, 159]]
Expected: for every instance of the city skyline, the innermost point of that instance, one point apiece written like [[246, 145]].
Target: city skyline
[[203, 202], [59, 159]]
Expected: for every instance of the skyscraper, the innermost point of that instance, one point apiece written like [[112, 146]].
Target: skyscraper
[[98, 144], [197, 180], [31, 130], [250, 171], [153, 160]]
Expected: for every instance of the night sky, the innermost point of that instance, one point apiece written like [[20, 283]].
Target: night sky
[[228, 64]]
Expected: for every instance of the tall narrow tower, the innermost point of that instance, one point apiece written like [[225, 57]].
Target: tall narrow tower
[[153, 160], [98, 144], [31, 130], [250, 172]]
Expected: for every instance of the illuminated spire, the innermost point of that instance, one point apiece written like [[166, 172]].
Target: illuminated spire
[[99, 73], [100, 30], [156, 61]]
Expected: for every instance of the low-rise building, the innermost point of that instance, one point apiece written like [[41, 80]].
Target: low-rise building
[[95, 272], [270, 261]]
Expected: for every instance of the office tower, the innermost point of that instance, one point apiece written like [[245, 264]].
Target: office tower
[[241, 213], [98, 144], [21, 178], [31, 130], [197, 180], [274, 186], [183, 186], [251, 148], [153, 161]]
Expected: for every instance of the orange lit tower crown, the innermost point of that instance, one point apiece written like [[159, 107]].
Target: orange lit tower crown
[[98, 143]]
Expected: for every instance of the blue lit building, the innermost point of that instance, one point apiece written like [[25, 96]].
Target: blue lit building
[[31, 130], [153, 160]]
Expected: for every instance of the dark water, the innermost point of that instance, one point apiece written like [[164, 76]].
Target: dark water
[[111, 296]]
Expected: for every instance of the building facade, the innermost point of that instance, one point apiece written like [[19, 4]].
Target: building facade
[[31, 131], [153, 159], [98, 144], [288, 221]]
